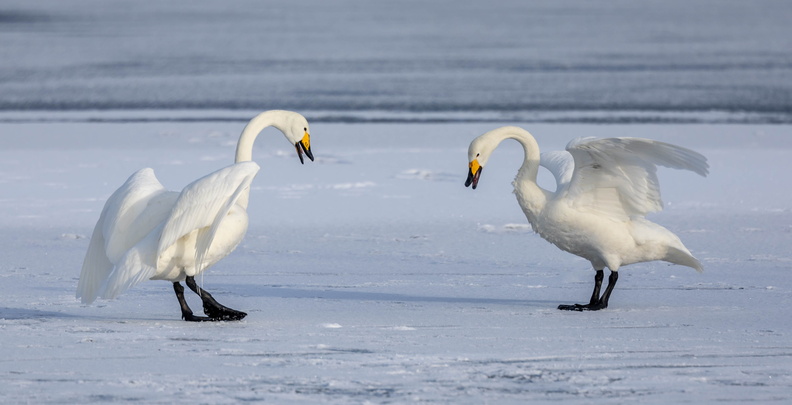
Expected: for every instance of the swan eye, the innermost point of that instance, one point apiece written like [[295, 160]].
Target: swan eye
[[478, 154], [305, 129]]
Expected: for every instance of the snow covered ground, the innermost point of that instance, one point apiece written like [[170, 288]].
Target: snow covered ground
[[374, 276]]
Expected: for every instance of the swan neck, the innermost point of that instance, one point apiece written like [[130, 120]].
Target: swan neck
[[532, 198], [530, 166], [244, 151]]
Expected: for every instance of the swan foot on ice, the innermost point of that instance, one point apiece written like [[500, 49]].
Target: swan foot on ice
[[187, 313], [212, 308], [580, 307], [596, 302]]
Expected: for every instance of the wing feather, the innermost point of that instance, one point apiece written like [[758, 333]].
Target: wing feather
[[205, 239], [617, 177], [561, 164], [96, 267], [135, 266], [116, 231], [204, 203], [121, 220]]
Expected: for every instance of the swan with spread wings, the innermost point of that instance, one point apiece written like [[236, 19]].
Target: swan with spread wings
[[147, 232], [605, 188]]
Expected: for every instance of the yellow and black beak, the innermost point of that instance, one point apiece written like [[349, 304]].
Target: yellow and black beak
[[473, 174], [304, 145]]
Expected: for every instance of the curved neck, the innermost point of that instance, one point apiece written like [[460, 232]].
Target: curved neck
[[532, 197], [244, 151], [530, 166]]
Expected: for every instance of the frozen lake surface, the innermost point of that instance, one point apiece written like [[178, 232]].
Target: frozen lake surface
[[374, 276], [405, 60]]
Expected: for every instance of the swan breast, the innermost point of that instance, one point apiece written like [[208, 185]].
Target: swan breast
[[602, 241]]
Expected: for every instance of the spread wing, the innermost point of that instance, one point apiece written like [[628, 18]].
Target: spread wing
[[560, 164], [117, 230], [203, 204], [617, 177], [96, 267]]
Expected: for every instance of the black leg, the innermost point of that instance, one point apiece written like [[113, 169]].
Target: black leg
[[597, 286], [187, 313], [596, 303], [212, 308], [612, 279]]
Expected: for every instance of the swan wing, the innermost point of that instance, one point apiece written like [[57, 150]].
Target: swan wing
[[617, 177], [95, 269], [206, 236], [116, 231], [203, 204], [136, 265], [122, 226], [561, 164]]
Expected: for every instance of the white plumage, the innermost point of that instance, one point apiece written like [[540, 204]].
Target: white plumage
[[605, 187], [146, 232]]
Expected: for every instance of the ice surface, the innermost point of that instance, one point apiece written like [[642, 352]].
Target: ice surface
[[374, 276], [406, 59]]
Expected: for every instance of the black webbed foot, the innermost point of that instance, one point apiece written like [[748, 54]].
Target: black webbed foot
[[213, 309], [189, 317], [581, 307], [596, 302], [222, 313]]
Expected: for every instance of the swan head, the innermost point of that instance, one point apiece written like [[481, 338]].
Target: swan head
[[295, 127], [478, 154]]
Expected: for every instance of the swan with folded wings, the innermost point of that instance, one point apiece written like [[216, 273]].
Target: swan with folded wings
[[146, 232], [605, 188]]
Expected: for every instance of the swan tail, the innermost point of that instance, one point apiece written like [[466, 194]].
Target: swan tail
[[96, 268], [683, 258]]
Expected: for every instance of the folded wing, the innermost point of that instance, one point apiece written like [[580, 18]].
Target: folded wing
[[203, 204]]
